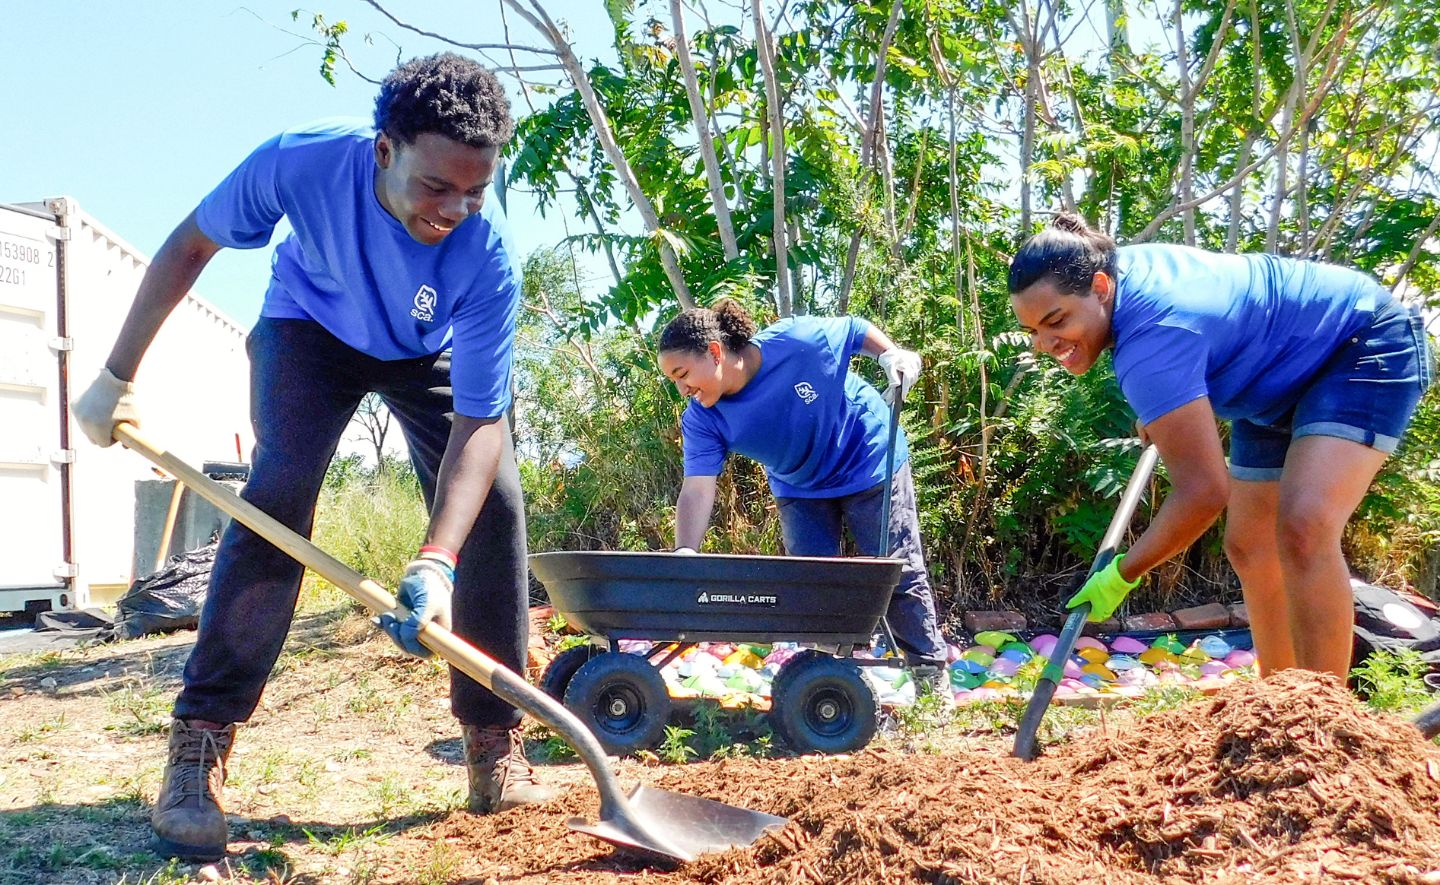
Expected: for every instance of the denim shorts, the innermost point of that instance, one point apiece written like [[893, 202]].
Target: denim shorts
[[1366, 392]]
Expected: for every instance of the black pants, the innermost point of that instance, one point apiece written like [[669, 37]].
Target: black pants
[[304, 386]]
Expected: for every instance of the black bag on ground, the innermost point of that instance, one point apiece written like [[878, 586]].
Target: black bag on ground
[[168, 600], [1387, 621]]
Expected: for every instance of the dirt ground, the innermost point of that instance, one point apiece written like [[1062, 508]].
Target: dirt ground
[[349, 773]]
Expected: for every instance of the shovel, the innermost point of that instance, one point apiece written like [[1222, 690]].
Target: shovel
[[1429, 721], [1026, 746], [654, 823]]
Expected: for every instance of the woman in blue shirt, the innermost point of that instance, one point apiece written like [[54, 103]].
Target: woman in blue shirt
[[785, 397], [1317, 367]]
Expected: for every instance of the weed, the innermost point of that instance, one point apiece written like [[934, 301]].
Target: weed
[[557, 623], [568, 642], [440, 866], [347, 840], [1162, 697], [551, 749], [170, 874], [930, 712], [1393, 681], [144, 709], [389, 796], [674, 749], [44, 729]]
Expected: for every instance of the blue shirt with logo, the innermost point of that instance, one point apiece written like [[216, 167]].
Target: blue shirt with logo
[[818, 429], [1248, 331], [350, 266]]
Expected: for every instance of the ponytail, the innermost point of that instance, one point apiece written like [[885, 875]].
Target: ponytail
[[1068, 253], [725, 321]]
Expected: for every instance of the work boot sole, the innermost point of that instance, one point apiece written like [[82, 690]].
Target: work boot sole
[[199, 853]]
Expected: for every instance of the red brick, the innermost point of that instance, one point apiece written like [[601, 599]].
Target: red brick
[[1202, 617], [1148, 621], [1239, 615], [1009, 621], [1101, 628]]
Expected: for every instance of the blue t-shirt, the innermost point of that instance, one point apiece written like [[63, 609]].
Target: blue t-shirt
[[351, 267], [1248, 331], [819, 430]]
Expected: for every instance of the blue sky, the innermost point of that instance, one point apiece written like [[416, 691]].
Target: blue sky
[[136, 109]]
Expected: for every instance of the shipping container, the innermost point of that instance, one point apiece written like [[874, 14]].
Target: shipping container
[[67, 507]]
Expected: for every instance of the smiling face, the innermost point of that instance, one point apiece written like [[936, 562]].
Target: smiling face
[[432, 184], [1075, 328], [700, 375]]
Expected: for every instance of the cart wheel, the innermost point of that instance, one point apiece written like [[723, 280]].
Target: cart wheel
[[621, 698], [821, 704], [562, 668]]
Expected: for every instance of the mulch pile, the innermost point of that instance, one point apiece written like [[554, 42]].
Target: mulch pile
[[1276, 781]]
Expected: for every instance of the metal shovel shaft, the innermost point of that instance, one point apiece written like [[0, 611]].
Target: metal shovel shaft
[[1026, 744], [620, 821]]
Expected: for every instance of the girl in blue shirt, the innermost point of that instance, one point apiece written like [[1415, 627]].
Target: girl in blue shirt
[[785, 397], [1317, 368]]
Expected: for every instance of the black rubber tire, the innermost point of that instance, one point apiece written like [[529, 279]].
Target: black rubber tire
[[622, 699], [822, 704], [562, 668]]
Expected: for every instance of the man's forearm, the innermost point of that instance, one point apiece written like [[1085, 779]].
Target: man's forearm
[[171, 274], [467, 472]]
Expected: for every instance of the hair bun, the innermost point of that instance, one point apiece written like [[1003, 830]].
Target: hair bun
[[1072, 222]]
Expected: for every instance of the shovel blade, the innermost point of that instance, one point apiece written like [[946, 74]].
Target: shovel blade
[[674, 827]]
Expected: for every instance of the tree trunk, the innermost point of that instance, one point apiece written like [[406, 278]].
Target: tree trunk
[[701, 120], [775, 113]]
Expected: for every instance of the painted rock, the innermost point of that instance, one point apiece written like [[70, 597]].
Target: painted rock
[[1089, 642], [1153, 656], [993, 638], [982, 655], [952, 652], [1127, 645], [1093, 655], [1104, 673], [1123, 662], [744, 657], [1018, 655], [1169, 643], [1240, 658], [1073, 670], [984, 694], [1214, 646], [961, 679], [1004, 667], [1213, 668], [1043, 644], [967, 666], [1016, 645]]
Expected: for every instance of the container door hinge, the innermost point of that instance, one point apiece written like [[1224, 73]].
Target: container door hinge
[[62, 456], [62, 345], [66, 570]]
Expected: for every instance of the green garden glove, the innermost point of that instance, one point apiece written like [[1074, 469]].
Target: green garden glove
[[1104, 591]]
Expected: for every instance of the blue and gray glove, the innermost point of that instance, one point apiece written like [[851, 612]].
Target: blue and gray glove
[[426, 590]]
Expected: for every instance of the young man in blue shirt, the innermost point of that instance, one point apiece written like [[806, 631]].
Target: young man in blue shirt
[[1317, 368], [399, 278]]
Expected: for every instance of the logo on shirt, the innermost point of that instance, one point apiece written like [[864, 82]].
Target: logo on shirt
[[425, 305], [806, 392]]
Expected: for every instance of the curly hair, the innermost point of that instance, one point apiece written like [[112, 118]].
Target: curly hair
[[447, 94], [693, 330], [1068, 253]]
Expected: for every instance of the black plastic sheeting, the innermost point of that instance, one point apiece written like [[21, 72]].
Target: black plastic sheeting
[[169, 599]]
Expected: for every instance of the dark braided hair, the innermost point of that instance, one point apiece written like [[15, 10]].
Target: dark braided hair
[[1068, 253], [447, 94], [693, 330]]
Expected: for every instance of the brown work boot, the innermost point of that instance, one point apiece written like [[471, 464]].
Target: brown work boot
[[188, 820], [500, 776]]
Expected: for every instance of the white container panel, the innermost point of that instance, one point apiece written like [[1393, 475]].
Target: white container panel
[[32, 518]]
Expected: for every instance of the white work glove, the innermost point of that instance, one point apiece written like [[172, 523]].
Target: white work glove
[[426, 590], [107, 402], [902, 369]]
